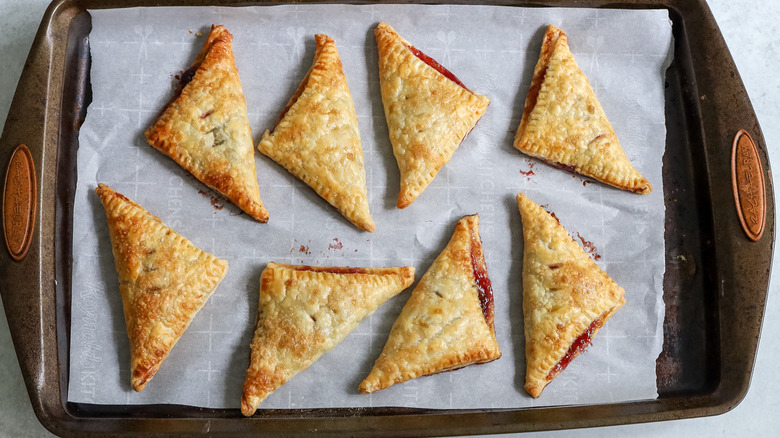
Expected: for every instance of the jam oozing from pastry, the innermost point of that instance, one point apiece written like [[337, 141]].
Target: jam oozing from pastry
[[331, 269], [438, 67], [533, 92], [484, 287], [298, 92], [577, 347], [186, 77], [566, 167], [548, 46]]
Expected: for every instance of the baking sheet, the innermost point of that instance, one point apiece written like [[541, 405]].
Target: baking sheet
[[136, 54]]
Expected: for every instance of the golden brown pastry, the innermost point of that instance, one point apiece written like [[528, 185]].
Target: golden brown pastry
[[163, 278], [317, 139], [567, 298], [563, 122], [448, 321], [206, 130], [305, 311], [429, 111]]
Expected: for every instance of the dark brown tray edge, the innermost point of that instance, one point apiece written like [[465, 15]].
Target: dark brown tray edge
[[32, 116], [743, 282], [33, 119]]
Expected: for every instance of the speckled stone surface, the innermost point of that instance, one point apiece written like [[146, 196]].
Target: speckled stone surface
[[750, 29]]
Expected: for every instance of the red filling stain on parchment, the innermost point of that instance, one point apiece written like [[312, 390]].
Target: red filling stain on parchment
[[590, 247], [215, 201], [530, 172]]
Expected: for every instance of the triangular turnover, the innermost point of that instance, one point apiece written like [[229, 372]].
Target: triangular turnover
[[447, 323], [429, 111], [567, 298], [164, 281], [317, 138], [564, 124], [304, 312], [205, 128]]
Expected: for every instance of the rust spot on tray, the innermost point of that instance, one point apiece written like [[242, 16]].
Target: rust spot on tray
[[747, 179], [19, 202]]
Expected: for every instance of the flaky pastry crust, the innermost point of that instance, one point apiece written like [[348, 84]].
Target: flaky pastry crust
[[567, 298], [564, 124], [448, 321], [304, 312], [317, 137], [164, 280], [205, 129], [428, 114]]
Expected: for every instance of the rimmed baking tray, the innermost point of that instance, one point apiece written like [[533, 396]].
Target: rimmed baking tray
[[715, 285]]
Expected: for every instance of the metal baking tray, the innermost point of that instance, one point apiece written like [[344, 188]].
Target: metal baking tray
[[715, 286]]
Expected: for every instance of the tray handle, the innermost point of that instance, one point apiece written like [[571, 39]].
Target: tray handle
[[741, 266], [28, 269]]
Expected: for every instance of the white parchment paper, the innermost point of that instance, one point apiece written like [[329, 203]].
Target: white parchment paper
[[136, 56]]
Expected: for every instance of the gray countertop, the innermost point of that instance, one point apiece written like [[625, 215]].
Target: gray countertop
[[751, 30]]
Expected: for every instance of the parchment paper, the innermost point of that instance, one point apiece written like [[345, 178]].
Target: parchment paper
[[136, 56]]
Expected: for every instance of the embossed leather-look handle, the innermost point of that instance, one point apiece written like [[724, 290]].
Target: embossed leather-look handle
[[19, 201], [747, 178]]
